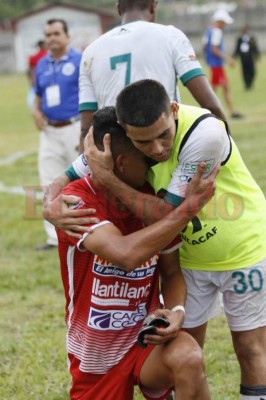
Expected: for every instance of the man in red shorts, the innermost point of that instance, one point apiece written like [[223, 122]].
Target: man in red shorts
[[216, 57], [111, 282]]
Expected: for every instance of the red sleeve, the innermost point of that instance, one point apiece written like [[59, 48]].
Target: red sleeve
[[175, 244], [33, 60]]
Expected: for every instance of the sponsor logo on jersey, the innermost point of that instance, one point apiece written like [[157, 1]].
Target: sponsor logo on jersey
[[201, 239], [119, 290], [190, 168], [105, 268], [68, 69], [115, 319]]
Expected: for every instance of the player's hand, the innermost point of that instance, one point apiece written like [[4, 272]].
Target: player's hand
[[39, 119], [231, 62], [200, 190], [164, 335], [61, 213], [100, 162]]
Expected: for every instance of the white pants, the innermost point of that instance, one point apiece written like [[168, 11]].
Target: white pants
[[57, 149]]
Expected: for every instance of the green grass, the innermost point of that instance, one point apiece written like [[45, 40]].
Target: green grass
[[32, 331]]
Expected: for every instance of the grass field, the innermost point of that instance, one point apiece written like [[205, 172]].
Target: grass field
[[32, 331]]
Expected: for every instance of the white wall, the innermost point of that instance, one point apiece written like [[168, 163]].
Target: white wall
[[83, 29], [7, 55]]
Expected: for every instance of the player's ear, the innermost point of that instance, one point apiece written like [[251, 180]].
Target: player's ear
[[118, 9], [153, 10], [174, 109], [119, 163]]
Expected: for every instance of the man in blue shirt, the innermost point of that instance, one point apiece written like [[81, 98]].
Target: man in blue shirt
[[55, 110]]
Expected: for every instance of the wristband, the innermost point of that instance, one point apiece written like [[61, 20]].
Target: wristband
[[179, 308]]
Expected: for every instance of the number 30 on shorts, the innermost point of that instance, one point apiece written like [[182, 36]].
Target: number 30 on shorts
[[253, 280]]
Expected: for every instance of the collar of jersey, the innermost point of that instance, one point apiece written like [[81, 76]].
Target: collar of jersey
[[65, 57]]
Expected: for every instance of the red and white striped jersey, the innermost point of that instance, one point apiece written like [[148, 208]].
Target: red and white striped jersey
[[105, 305]]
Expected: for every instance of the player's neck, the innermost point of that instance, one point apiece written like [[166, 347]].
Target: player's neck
[[137, 15]]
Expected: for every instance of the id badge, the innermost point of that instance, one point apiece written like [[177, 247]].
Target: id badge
[[53, 97]]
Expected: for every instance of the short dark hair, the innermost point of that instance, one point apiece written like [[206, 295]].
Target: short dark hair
[[40, 44], [62, 21], [142, 103], [128, 5], [105, 121]]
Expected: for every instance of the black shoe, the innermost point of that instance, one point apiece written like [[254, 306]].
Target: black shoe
[[45, 246], [237, 115]]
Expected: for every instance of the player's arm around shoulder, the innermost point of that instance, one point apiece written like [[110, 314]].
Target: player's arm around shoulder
[[59, 209]]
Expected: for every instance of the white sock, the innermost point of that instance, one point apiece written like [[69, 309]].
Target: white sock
[[251, 397]]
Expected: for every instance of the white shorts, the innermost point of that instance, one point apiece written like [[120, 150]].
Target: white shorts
[[241, 293]]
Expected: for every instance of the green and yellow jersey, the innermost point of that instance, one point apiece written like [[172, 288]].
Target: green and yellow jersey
[[230, 231]]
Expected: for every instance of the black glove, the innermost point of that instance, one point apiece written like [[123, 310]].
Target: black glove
[[149, 326]]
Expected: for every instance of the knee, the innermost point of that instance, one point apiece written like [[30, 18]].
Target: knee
[[193, 361], [186, 357]]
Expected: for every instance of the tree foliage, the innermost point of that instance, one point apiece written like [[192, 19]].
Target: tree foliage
[[12, 8]]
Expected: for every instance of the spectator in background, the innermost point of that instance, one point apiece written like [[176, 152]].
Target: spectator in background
[[248, 52], [216, 57], [32, 62], [55, 109]]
